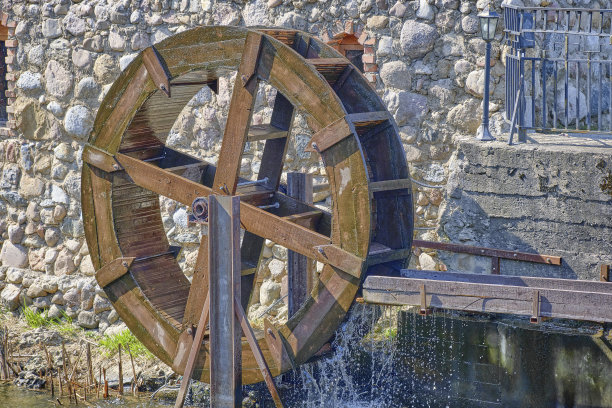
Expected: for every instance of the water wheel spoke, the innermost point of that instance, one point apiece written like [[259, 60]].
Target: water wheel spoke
[[161, 181], [238, 118]]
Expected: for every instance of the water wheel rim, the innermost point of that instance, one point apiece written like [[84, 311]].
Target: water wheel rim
[[218, 49]]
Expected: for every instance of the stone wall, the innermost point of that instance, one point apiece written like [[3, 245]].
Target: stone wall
[[424, 57]]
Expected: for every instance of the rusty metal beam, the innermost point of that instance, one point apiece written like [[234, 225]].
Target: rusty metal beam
[[491, 252]]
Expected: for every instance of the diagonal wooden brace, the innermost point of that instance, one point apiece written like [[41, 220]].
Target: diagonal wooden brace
[[113, 271], [156, 68]]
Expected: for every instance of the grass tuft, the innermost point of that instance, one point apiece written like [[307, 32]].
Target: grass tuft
[[111, 343]]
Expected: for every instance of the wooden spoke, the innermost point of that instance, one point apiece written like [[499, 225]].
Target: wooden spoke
[[199, 285], [238, 118]]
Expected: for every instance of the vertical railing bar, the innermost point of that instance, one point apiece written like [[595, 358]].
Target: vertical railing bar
[[555, 83], [567, 72], [533, 70], [610, 93], [588, 91], [600, 98], [577, 94], [543, 75]]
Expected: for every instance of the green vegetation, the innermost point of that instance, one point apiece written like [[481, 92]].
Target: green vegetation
[[111, 343], [41, 319]]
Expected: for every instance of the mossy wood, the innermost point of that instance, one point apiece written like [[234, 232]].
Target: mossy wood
[[128, 166]]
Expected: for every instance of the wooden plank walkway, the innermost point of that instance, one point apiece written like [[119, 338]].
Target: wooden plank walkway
[[534, 297]]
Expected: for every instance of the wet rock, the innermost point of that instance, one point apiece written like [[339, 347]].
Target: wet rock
[[29, 379]]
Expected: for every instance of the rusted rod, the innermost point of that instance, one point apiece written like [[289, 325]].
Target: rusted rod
[[490, 252]]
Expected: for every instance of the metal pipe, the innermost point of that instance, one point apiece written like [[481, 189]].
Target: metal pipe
[[265, 207], [253, 183], [483, 133]]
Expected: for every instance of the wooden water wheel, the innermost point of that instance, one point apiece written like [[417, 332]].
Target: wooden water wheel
[[127, 166]]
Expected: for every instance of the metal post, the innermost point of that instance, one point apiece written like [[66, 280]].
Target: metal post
[[225, 330], [483, 131], [299, 268]]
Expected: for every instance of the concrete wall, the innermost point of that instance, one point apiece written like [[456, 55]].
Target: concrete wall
[[546, 197]]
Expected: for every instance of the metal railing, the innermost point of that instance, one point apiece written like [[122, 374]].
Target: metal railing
[[558, 70]]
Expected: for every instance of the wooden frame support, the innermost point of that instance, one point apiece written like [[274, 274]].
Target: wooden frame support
[[227, 317], [604, 273], [299, 267], [113, 271], [535, 314], [424, 311], [537, 298], [224, 283], [157, 69]]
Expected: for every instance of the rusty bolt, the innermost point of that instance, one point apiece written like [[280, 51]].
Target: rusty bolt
[[125, 264], [189, 331]]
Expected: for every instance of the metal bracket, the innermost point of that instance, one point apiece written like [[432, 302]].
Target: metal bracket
[[424, 311], [535, 310]]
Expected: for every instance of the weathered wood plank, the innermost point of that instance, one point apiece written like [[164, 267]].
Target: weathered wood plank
[[156, 67], [113, 271], [332, 134], [194, 350], [494, 298], [390, 185], [257, 354], [225, 332], [524, 281], [265, 132], [299, 267], [199, 285], [238, 118], [100, 159]]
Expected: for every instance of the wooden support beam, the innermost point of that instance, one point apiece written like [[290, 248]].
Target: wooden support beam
[[225, 331], [100, 159], [493, 298], [604, 273], [238, 118], [329, 136], [257, 354], [113, 271], [299, 267], [157, 69], [196, 345]]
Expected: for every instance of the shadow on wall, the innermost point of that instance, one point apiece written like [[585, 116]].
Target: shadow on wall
[[465, 221]]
